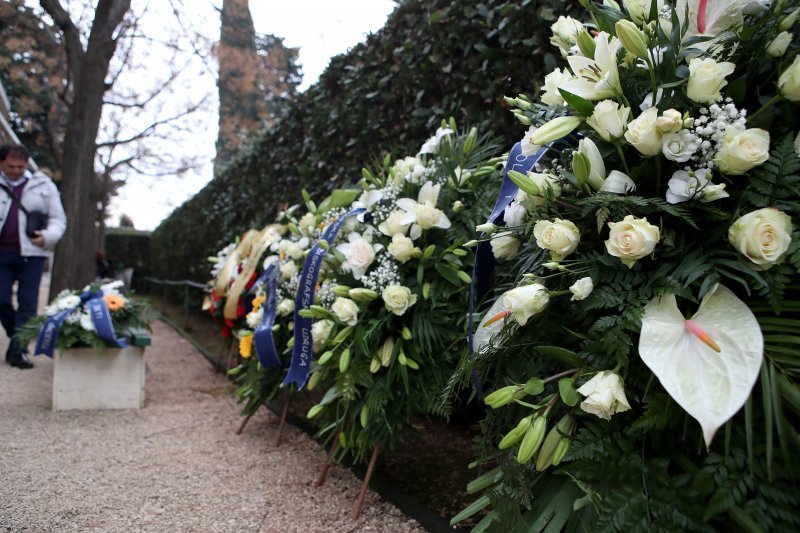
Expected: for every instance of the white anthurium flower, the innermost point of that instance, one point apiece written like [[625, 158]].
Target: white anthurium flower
[[488, 328], [596, 78], [709, 363], [618, 183], [359, 253], [423, 212], [431, 146], [709, 18]]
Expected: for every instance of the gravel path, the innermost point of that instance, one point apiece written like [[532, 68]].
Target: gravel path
[[174, 465]]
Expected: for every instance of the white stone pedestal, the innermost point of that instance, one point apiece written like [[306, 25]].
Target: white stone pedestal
[[87, 379]]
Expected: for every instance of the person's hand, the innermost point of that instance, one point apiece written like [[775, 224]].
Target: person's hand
[[37, 239]]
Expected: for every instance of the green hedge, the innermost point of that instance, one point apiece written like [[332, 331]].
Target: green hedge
[[127, 247], [432, 60]]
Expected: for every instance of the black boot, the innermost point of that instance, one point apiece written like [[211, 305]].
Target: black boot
[[17, 357]]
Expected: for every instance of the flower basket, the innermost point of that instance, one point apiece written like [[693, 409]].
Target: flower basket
[[100, 336]]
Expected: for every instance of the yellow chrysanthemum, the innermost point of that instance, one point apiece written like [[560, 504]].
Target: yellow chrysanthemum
[[246, 346], [114, 301]]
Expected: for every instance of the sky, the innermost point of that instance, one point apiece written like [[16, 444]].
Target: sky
[[320, 28]]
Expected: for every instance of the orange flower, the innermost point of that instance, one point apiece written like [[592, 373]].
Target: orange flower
[[246, 346], [114, 301]]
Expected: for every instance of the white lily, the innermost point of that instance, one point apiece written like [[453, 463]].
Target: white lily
[[596, 78], [709, 363], [422, 213], [431, 146]]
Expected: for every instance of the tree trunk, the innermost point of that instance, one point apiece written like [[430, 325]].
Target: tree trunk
[[75, 255]]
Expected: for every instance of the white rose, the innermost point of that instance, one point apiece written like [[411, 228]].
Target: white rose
[[741, 150], [670, 121], [632, 239], [679, 147], [285, 307], [359, 253], [288, 269], [392, 225], [505, 248], [565, 32], [560, 236], [618, 183], [643, 134], [789, 81], [346, 310], [605, 395], [526, 301], [401, 247], [554, 80], [544, 182], [581, 289], [777, 47], [639, 10], [609, 120], [320, 331], [706, 79], [762, 236], [397, 299], [514, 214], [597, 170]]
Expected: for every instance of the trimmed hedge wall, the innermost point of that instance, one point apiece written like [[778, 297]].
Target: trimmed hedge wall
[[432, 60], [130, 248]]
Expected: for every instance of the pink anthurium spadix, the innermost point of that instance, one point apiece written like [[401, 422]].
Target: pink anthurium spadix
[[708, 363]]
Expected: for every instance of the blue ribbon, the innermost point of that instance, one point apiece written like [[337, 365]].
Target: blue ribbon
[[101, 318], [300, 365], [262, 336], [483, 268]]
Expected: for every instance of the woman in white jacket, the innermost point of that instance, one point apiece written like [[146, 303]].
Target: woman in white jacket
[[22, 254]]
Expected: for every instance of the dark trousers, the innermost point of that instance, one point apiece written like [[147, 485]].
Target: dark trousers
[[27, 271]]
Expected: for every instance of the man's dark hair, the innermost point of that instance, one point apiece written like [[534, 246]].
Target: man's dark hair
[[16, 151]]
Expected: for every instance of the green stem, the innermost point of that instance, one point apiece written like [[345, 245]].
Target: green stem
[[772, 101], [622, 157]]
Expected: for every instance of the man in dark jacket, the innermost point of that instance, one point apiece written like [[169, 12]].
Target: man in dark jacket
[[22, 255]]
